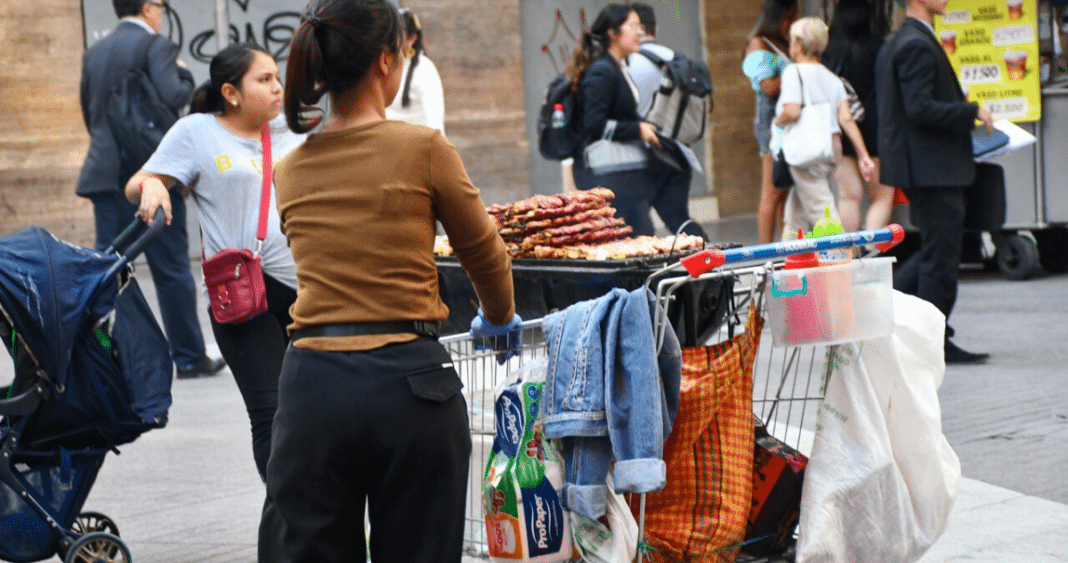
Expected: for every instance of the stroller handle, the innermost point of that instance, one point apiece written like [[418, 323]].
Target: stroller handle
[[133, 250], [122, 243]]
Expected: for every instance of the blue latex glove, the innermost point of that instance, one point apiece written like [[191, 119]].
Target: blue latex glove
[[506, 340]]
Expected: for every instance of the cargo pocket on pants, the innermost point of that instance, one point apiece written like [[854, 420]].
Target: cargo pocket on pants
[[439, 383]]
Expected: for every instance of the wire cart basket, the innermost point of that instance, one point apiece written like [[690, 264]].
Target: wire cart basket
[[788, 381]]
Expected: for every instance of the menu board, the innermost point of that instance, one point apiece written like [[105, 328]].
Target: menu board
[[993, 46]]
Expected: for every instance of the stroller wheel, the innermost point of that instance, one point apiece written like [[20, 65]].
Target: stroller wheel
[[97, 547], [88, 522]]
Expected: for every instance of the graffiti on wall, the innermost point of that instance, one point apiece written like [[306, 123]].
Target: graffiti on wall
[[272, 32], [562, 40]]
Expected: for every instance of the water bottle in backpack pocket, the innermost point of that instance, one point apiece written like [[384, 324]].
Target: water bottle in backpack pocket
[[558, 132]]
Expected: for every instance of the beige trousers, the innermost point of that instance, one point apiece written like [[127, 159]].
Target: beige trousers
[[810, 195]]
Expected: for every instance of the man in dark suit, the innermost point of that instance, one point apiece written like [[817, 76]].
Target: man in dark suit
[[926, 147], [104, 175]]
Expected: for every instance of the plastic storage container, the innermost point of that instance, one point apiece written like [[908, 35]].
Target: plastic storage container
[[812, 306]]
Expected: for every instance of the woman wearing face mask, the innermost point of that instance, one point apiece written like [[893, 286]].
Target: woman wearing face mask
[[217, 152], [421, 99], [369, 410], [608, 97]]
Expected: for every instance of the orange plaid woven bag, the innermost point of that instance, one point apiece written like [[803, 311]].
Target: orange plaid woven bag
[[702, 512]]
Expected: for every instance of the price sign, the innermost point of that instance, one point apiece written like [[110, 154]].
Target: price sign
[[1013, 35], [980, 74], [1008, 108], [993, 47], [957, 16]]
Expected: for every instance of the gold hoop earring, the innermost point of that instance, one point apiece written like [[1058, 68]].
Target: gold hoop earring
[[411, 52]]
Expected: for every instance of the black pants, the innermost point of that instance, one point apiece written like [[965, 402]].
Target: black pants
[[387, 426], [931, 272], [254, 350], [672, 199]]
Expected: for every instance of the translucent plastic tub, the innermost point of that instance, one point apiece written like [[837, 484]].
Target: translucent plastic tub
[[831, 304]]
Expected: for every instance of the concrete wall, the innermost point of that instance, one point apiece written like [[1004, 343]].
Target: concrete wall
[[736, 161], [477, 46], [42, 138]]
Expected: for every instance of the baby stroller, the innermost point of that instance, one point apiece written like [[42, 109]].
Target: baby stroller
[[92, 372]]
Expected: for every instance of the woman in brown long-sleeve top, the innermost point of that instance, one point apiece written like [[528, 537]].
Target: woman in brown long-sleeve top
[[369, 405]]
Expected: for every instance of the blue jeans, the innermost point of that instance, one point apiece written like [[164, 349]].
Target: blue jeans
[[168, 260], [611, 395]]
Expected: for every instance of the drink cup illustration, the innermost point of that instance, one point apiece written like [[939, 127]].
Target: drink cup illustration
[[1016, 64], [949, 41], [1015, 9]]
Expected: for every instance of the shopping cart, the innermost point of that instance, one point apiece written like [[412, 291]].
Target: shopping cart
[[476, 364], [788, 381]]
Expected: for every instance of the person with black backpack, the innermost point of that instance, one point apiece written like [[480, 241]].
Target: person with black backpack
[[608, 116], [649, 69], [132, 88]]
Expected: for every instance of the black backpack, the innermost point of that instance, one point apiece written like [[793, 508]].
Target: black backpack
[[558, 143], [681, 104], [137, 115]]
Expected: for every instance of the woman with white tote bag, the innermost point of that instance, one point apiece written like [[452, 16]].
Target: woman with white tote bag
[[813, 110]]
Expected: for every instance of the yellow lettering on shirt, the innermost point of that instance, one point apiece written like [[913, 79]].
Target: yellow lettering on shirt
[[223, 162]]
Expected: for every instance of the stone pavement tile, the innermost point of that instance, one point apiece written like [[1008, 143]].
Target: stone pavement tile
[[995, 525], [1009, 553], [188, 492]]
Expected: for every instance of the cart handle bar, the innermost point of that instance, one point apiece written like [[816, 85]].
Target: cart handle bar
[[707, 260]]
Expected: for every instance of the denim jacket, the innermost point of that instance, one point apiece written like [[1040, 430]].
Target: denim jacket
[[610, 395]]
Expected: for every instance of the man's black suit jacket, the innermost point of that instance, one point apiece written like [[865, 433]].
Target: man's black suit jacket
[[104, 65], [924, 122]]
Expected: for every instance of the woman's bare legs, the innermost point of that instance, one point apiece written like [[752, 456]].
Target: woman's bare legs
[[772, 201], [880, 197], [850, 186], [880, 202]]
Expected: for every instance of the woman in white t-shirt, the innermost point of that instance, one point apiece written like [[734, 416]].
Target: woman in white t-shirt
[[217, 152], [422, 99], [807, 81]]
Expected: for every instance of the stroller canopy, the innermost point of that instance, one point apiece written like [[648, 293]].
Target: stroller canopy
[[54, 293], [45, 285]]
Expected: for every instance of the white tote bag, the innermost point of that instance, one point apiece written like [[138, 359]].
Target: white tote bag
[[882, 478], [605, 156], [807, 141]]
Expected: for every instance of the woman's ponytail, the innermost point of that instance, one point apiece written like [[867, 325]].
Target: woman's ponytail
[[304, 88], [587, 49], [229, 66], [206, 99], [594, 43], [333, 49]]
